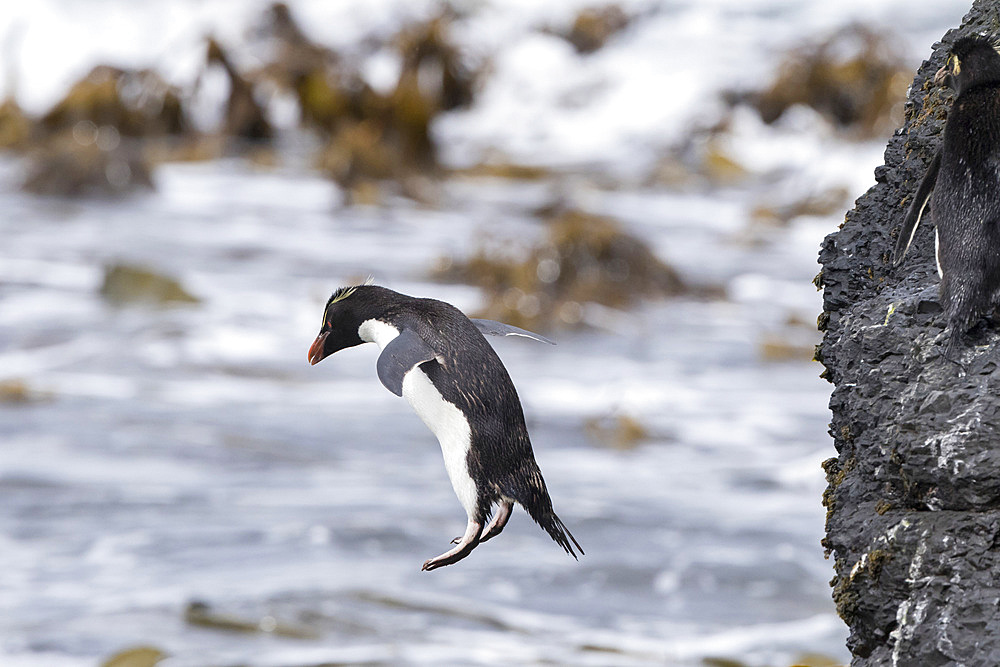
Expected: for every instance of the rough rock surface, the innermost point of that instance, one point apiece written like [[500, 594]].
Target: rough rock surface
[[914, 494]]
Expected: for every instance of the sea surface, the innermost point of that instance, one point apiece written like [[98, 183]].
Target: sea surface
[[168, 456]]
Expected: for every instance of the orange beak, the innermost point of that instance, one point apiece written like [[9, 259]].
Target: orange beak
[[316, 349]]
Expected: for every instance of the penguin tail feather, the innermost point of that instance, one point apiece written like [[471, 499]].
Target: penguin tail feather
[[558, 531], [528, 490]]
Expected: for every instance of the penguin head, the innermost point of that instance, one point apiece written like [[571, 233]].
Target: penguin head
[[343, 314], [974, 60]]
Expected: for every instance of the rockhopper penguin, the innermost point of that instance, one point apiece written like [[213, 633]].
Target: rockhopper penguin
[[438, 360], [962, 185]]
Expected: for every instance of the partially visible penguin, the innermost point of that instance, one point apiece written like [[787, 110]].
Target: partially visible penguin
[[962, 186], [438, 360]]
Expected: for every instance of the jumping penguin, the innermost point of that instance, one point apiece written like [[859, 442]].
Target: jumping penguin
[[438, 360], [962, 185]]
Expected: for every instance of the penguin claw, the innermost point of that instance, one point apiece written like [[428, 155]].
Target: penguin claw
[[963, 370]]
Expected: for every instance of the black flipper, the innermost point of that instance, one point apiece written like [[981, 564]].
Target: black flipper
[[493, 328], [397, 359], [916, 210]]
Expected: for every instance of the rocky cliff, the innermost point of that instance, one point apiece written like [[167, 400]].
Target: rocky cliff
[[914, 493]]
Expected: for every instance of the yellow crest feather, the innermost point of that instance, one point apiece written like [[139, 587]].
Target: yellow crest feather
[[342, 293]]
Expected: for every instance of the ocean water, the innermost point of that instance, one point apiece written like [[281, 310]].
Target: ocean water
[[192, 454]]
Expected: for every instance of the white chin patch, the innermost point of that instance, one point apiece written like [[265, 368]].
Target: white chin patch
[[378, 332], [450, 426]]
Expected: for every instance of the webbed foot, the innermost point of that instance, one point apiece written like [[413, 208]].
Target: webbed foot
[[466, 544]]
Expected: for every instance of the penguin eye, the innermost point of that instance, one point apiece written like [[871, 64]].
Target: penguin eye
[[339, 295]]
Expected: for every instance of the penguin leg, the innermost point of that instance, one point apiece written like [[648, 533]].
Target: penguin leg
[[499, 521], [469, 542], [496, 525]]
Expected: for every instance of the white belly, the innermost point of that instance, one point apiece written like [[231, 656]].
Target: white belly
[[450, 426], [443, 418]]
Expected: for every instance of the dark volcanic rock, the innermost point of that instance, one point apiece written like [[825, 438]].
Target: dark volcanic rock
[[914, 494]]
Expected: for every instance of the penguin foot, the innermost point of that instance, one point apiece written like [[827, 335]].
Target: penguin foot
[[950, 356], [963, 370], [498, 522], [468, 542], [952, 352]]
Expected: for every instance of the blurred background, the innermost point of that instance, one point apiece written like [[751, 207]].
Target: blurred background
[[182, 185]]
